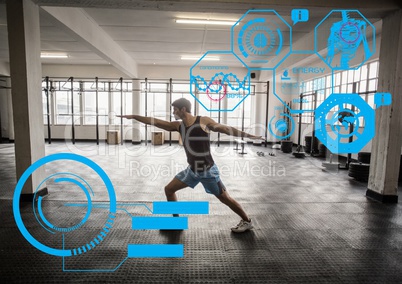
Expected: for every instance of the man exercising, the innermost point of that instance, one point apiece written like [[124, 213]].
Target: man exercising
[[194, 131]]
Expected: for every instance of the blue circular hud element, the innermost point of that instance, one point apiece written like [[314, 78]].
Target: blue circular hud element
[[256, 38], [63, 179], [28, 173], [281, 125], [342, 120]]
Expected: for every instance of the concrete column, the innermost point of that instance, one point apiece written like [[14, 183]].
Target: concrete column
[[3, 110], [10, 111], [386, 147], [26, 72], [136, 110]]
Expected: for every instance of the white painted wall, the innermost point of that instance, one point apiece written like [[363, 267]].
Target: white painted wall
[[6, 110], [3, 108], [4, 69]]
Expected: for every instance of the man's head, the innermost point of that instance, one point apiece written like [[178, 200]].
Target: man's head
[[181, 106]]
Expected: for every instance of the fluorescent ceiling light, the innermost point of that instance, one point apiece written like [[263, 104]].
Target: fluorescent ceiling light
[[194, 57], [205, 22], [53, 55]]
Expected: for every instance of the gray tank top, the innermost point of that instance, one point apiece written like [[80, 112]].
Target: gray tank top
[[197, 146]]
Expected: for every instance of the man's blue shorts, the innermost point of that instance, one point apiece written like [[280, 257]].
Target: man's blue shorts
[[210, 179]]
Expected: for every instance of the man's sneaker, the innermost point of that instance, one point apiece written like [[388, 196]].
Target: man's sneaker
[[242, 226]]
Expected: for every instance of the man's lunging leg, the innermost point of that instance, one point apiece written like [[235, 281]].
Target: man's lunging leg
[[245, 223], [171, 188]]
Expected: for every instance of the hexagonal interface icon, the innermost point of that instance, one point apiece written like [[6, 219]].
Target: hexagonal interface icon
[[219, 85], [344, 123], [342, 36], [261, 38], [291, 80]]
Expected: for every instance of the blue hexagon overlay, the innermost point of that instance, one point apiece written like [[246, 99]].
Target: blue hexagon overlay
[[289, 82], [333, 114], [261, 38], [339, 45], [217, 85]]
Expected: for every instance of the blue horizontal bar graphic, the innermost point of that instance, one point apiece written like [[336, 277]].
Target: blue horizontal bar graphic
[[180, 207], [259, 61], [155, 250], [158, 223]]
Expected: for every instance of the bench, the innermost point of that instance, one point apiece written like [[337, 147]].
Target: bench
[[242, 143]]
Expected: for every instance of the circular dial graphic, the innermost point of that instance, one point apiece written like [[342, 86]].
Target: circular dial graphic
[[72, 181]]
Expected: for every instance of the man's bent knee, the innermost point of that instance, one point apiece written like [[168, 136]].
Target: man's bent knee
[[169, 190]]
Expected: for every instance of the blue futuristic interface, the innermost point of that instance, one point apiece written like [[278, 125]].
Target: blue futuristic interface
[[262, 40], [110, 209]]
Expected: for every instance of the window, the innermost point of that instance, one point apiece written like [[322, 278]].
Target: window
[[373, 68], [157, 99], [370, 99], [154, 102], [234, 118], [44, 103], [89, 101], [66, 103], [363, 86], [363, 80], [128, 98]]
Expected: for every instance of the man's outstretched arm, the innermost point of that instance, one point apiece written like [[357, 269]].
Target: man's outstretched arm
[[166, 125], [226, 129]]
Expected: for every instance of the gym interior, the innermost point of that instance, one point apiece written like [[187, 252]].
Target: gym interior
[[82, 194]]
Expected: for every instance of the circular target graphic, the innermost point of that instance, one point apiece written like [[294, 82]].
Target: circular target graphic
[[259, 38], [349, 32], [344, 119], [73, 181], [282, 127], [216, 91], [344, 123]]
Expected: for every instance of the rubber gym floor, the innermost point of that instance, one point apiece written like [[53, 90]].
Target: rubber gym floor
[[311, 226]]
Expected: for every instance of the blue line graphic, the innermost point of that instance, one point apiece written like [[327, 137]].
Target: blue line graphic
[[180, 207], [160, 223], [101, 205], [27, 174], [39, 186], [89, 205], [280, 41], [155, 250], [89, 270]]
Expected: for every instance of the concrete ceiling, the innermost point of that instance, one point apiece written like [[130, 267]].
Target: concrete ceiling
[[147, 32]]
